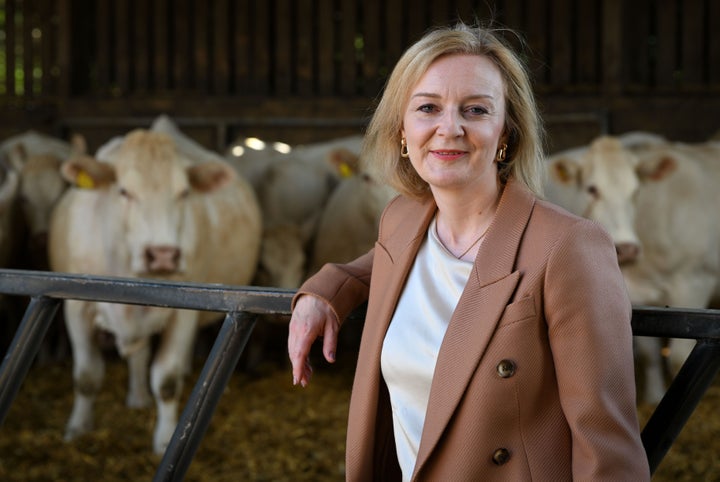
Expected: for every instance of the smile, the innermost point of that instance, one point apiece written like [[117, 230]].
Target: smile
[[446, 154]]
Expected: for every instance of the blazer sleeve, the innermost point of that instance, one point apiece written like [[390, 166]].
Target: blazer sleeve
[[588, 312], [343, 286]]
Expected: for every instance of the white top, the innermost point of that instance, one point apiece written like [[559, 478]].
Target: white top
[[413, 340]]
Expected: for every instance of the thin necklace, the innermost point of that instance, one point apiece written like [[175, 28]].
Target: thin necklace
[[474, 243]]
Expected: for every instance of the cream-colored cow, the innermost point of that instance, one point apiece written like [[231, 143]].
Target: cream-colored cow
[[293, 189], [658, 200], [148, 211], [349, 222], [37, 157], [9, 213]]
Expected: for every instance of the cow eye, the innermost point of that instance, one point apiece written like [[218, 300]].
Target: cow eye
[[124, 193], [184, 193], [593, 191]]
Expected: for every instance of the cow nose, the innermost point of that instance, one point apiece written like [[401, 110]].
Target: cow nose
[[162, 259], [627, 252]]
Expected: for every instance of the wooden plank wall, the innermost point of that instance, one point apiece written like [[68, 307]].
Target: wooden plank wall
[[283, 63]]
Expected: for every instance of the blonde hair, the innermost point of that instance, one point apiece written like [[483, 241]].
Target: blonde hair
[[523, 126]]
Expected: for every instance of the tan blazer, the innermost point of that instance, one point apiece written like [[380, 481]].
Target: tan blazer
[[534, 378]]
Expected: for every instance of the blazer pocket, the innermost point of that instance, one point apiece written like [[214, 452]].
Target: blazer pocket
[[519, 310]]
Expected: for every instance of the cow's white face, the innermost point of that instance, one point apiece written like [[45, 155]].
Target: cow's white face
[[600, 183], [152, 190], [609, 181]]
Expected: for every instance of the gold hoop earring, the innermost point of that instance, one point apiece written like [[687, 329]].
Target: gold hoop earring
[[501, 153], [403, 148]]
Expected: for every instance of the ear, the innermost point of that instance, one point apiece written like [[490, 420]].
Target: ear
[[78, 145], [564, 171], [656, 169], [18, 156], [87, 173], [211, 175], [346, 162]]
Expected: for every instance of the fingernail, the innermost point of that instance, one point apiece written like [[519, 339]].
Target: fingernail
[[332, 355], [294, 380]]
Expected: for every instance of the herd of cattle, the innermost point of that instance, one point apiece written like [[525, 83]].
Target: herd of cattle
[[154, 203]]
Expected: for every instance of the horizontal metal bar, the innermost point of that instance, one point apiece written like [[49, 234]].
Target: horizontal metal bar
[[676, 322], [646, 320], [150, 292]]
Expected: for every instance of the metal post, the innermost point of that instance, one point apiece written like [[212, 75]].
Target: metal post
[[680, 400], [216, 373], [24, 347]]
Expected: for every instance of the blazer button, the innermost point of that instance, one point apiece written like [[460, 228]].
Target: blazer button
[[501, 456], [506, 368]]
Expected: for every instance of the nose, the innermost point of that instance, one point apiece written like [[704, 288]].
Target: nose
[[451, 124], [162, 259], [627, 252]]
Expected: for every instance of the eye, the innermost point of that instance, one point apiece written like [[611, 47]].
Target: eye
[[428, 108], [477, 110], [184, 193], [593, 191], [125, 193]]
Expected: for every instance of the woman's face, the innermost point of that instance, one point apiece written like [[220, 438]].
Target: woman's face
[[454, 121]]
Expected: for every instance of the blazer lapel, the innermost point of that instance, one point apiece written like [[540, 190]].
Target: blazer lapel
[[490, 286], [401, 247]]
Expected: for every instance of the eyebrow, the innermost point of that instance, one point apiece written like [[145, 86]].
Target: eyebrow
[[437, 96]]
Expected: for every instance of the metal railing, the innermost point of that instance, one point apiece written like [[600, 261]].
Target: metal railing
[[242, 304]]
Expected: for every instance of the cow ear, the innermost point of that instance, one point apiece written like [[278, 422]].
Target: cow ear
[[87, 173], [347, 163], [211, 175], [564, 171], [656, 169], [18, 156], [78, 144]]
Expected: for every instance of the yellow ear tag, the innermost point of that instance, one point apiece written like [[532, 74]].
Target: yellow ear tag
[[345, 170], [83, 180]]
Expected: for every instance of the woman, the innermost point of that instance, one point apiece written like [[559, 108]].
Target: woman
[[497, 341]]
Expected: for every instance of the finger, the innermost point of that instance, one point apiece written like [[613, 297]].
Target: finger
[[301, 368], [330, 342], [307, 374], [298, 352]]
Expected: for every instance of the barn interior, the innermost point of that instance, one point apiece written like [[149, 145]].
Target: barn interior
[[302, 73]]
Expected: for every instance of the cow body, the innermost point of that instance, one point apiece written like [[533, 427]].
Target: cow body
[[349, 223], [293, 190], [9, 245], [657, 200], [9, 183], [37, 158], [148, 211]]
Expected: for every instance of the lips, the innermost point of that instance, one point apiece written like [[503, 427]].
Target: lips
[[448, 153]]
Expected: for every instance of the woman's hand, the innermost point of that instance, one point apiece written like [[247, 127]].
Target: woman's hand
[[311, 318]]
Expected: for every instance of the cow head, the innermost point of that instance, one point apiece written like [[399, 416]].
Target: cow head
[[601, 182], [153, 190]]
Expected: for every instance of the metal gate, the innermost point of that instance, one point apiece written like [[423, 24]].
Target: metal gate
[[242, 304]]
